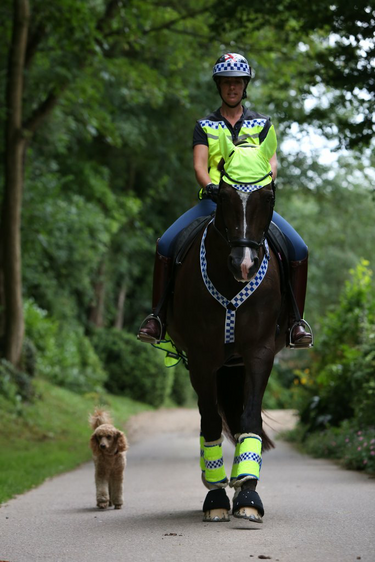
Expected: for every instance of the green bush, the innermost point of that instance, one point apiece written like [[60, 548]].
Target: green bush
[[341, 384], [352, 447], [182, 392], [134, 369], [65, 356], [15, 385]]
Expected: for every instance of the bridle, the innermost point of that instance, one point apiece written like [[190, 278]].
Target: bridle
[[246, 242]]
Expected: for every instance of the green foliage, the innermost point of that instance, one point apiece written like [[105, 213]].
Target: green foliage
[[134, 369], [182, 392], [65, 356], [278, 394], [15, 385], [341, 383], [322, 51], [353, 448]]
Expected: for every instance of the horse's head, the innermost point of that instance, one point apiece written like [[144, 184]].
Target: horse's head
[[245, 204]]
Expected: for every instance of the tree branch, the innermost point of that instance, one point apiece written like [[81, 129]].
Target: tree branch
[[170, 23], [33, 43], [44, 109], [109, 14]]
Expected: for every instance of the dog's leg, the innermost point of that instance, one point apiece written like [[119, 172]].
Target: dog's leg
[[102, 487], [116, 488]]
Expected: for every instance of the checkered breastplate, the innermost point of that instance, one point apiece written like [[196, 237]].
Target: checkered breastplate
[[232, 305]]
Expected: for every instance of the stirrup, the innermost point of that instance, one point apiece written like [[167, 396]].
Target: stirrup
[[145, 338], [292, 345]]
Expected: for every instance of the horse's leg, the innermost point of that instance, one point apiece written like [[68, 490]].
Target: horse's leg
[[216, 505], [248, 455]]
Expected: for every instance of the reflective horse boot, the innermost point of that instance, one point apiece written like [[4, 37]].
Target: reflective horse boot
[[244, 477], [216, 505]]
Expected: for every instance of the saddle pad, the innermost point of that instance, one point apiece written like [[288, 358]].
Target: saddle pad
[[186, 237], [277, 242]]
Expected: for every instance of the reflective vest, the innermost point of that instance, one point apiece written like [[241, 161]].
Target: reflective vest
[[254, 129]]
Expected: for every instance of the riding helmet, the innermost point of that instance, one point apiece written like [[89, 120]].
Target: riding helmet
[[232, 64]]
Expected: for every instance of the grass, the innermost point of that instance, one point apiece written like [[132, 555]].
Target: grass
[[50, 435]]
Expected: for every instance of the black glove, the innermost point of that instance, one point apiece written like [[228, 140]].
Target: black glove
[[211, 191]]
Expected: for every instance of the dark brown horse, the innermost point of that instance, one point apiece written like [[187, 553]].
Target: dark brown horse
[[231, 338]]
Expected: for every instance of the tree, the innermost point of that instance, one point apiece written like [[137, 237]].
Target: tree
[[324, 51], [15, 144], [64, 40]]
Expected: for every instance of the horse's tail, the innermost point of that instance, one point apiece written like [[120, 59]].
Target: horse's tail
[[230, 399]]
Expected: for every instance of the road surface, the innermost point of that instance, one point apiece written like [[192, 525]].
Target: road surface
[[314, 511]]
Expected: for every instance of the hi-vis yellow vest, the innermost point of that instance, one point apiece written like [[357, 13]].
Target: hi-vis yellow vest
[[254, 129]]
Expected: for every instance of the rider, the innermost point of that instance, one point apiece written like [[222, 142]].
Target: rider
[[232, 75]]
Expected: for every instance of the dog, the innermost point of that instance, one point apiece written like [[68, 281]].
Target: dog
[[108, 445]]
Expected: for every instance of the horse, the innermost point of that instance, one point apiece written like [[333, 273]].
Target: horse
[[228, 314]]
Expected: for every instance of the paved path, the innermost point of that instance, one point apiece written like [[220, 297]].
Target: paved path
[[314, 510]]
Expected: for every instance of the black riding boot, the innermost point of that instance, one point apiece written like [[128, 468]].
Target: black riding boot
[[298, 337], [152, 329]]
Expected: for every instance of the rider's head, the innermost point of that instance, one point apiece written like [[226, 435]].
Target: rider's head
[[232, 65]]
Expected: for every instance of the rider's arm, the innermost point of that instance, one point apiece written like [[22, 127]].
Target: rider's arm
[[200, 155], [273, 162]]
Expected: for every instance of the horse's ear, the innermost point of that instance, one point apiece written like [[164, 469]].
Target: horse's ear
[[269, 144], [225, 143]]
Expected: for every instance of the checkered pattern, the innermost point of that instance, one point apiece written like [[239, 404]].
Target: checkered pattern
[[250, 123], [246, 187], [214, 464], [231, 66], [245, 293], [212, 124], [248, 457]]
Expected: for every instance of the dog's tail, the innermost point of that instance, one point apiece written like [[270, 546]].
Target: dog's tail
[[99, 417]]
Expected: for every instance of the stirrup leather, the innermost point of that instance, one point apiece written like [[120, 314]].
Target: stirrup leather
[[303, 345], [143, 336]]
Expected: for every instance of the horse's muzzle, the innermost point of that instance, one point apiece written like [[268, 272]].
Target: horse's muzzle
[[243, 263]]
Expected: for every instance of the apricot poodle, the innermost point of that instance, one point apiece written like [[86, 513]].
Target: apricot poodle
[[108, 445]]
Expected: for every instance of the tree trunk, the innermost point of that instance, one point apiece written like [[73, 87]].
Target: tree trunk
[[15, 146], [96, 314], [119, 321]]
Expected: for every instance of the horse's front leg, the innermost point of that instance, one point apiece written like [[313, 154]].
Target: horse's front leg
[[248, 455], [216, 505]]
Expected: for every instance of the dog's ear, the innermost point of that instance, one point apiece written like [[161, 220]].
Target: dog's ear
[[122, 443], [94, 444]]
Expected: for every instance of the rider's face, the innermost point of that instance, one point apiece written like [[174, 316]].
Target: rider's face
[[231, 89]]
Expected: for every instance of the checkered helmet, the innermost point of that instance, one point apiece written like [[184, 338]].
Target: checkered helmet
[[232, 64]]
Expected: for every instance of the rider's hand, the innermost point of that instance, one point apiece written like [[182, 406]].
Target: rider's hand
[[211, 191]]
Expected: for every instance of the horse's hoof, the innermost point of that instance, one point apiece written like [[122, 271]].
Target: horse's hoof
[[216, 516], [249, 513]]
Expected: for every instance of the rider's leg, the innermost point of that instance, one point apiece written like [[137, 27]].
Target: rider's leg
[[152, 329], [298, 254]]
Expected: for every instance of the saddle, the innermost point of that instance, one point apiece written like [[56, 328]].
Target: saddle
[[276, 241]]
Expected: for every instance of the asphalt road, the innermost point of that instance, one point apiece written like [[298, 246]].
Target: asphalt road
[[315, 511]]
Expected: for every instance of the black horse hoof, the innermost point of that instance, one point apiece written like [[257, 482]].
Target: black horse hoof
[[216, 506], [248, 505]]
